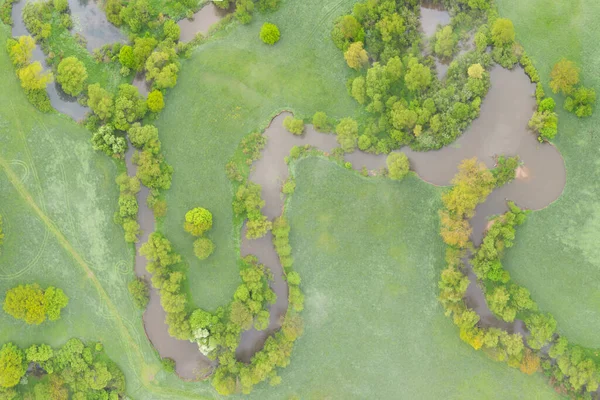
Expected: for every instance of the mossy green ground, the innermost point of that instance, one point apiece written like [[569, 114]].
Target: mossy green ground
[[557, 251], [229, 88], [369, 254]]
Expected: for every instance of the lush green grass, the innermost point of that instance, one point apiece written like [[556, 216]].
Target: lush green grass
[[369, 255], [57, 198], [557, 252], [230, 87]]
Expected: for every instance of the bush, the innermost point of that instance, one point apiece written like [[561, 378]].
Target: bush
[[294, 125], [198, 221], [168, 363], [203, 248], [347, 134], [269, 33], [71, 75], [398, 166], [138, 288]]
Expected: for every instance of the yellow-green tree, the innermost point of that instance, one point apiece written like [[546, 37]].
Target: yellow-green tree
[[564, 76], [12, 365], [32, 77], [197, 221], [356, 56], [20, 51]]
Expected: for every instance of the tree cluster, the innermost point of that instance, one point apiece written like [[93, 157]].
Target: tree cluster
[[75, 371], [198, 221], [248, 203], [34, 305]]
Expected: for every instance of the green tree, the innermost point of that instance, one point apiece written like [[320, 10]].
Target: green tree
[[155, 101], [71, 75], [144, 137], [564, 76], [475, 71], [61, 5], [108, 142], [171, 30], [100, 101], [503, 32], [359, 89], [129, 107], [12, 365], [347, 134], [32, 77], [445, 42], [294, 125], [203, 248], [541, 328], [20, 51], [418, 76], [320, 122], [398, 166], [162, 67], [126, 57], [198, 221], [269, 33], [581, 102], [55, 300], [138, 288], [346, 30], [26, 302], [142, 48], [356, 57]]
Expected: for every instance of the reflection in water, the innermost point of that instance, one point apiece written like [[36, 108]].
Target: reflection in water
[[91, 22], [201, 21]]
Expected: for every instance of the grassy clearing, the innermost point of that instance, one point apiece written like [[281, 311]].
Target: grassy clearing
[[230, 87], [57, 198], [556, 254], [369, 255]]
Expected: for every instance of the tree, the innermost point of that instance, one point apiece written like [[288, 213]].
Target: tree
[[155, 101], [21, 50], [138, 288], [126, 57], [100, 101], [445, 42], [418, 76], [129, 107], [294, 125], [32, 77], [203, 248], [12, 365], [162, 67], [359, 89], [503, 32], [356, 57], [171, 30], [142, 48], [108, 142], [26, 302], [581, 102], [269, 33], [347, 29], [475, 71], [541, 328], [564, 76], [144, 137], [530, 363], [347, 134], [61, 5], [198, 221], [398, 166], [55, 300], [71, 75], [320, 122]]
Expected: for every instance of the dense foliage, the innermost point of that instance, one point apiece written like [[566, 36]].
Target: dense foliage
[[74, 371], [294, 125], [269, 33], [138, 288], [71, 75], [33, 305]]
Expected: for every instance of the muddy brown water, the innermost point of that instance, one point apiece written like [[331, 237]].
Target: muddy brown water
[[432, 17], [202, 20]]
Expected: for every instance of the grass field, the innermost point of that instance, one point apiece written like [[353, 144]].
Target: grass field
[[369, 256], [57, 198], [557, 253], [229, 88]]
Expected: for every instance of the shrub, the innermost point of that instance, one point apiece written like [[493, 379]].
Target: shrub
[[269, 33], [398, 166], [138, 288], [347, 134], [288, 186], [203, 248], [155, 101], [168, 363], [198, 221], [294, 125], [445, 42], [71, 75]]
